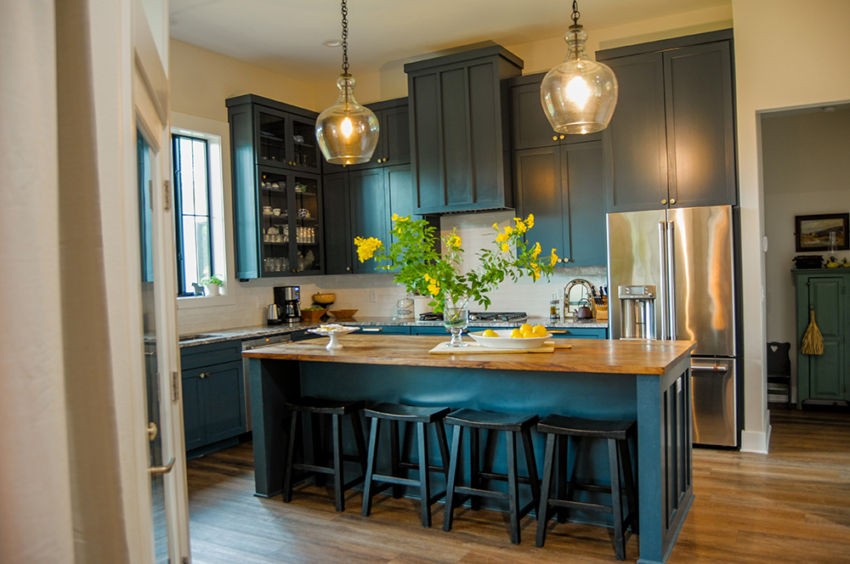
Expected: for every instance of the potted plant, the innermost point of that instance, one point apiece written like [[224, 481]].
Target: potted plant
[[419, 265], [212, 284]]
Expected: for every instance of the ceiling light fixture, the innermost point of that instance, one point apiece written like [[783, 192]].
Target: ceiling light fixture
[[347, 132], [579, 95]]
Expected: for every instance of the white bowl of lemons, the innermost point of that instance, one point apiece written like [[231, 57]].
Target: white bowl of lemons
[[523, 337]]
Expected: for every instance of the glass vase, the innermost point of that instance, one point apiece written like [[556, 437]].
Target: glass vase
[[455, 318]]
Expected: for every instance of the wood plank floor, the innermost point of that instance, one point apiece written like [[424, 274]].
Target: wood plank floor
[[792, 505]]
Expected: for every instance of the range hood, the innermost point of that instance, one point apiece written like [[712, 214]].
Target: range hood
[[460, 129]]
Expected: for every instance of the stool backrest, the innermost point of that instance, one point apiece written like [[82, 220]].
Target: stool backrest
[[778, 360]]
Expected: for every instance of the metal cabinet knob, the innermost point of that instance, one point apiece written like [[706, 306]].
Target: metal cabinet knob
[[348, 268], [566, 259], [562, 137], [554, 138], [203, 375], [672, 201], [664, 202]]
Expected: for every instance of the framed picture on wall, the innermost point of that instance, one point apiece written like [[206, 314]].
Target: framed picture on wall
[[813, 232]]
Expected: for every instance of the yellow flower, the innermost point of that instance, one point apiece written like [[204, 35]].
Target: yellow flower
[[554, 258], [535, 271], [502, 237], [508, 230], [520, 226], [428, 278], [406, 218], [496, 226], [395, 217], [536, 251], [433, 289], [505, 247], [530, 220], [366, 247], [454, 242]]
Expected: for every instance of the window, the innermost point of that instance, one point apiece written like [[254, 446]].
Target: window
[[193, 212]]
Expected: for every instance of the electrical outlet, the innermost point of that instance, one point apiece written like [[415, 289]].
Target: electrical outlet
[[373, 296]]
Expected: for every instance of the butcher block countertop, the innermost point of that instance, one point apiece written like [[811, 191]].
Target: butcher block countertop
[[586, 355]]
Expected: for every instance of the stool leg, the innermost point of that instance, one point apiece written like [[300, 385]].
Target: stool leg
[[319, 458], [616, 499], [358, 440], [513, 486], [531, 465], [448, 516], [290, 458], [545, 489], [424, 484], [370, 466], [563, 474], [395, 457], [339, 474], [628, 479], [443, 444], [474, 469]]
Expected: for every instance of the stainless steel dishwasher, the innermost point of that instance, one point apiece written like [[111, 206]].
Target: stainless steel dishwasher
[[247, 346]]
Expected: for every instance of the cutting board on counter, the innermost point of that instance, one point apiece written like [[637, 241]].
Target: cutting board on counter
[[475, 348]]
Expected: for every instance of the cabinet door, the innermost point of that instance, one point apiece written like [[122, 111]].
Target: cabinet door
[[305, 223], [339, 243], [193, 424], [583, 204], [530, 126], [223, 393], [400, 191], [271, 133], [538, 179], [370, 217], [826, 371], [635, 146], [395, 131], [304, 154], [700, 125], [426, 145]]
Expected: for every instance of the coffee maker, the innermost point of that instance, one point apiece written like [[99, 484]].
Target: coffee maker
[[288, 300]]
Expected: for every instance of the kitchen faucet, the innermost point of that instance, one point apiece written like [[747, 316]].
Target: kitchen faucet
[[577, 282]]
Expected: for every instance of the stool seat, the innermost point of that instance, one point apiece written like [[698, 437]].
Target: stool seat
[[491, 420], [576, 427], [325, 406], [407, 413], [512, 425]]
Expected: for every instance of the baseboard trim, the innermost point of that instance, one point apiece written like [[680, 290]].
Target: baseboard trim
[[755, 441]]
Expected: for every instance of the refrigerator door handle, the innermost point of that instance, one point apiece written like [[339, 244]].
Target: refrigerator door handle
[[671, 273], [662, 290]]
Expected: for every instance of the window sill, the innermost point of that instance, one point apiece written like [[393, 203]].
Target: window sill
[[193, 302]]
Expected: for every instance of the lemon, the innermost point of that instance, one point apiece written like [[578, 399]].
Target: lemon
[[539, 331], [515, 334], [489, 333], [525, 327], [526, 334]]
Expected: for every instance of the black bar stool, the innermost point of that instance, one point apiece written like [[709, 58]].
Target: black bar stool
[[617, 434], [421, 416], [336, 409], [511, 424]]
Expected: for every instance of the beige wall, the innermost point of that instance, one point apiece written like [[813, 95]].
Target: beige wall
[[806, 171], [784, 58]]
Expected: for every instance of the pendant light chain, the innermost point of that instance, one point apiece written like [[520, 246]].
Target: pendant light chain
[[344, 37], [576, 14]]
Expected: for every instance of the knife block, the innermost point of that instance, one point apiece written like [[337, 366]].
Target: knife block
[[602, 310]]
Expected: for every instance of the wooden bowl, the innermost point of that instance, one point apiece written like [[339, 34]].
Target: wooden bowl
[[343, 313], [312, 315], [324, 298]]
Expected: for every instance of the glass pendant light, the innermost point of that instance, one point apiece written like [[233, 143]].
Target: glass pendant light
[[347, 132], [579, 95]]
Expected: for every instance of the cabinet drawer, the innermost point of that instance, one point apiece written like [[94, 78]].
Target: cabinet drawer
[[579, 332], [207, 355], [384, 330]]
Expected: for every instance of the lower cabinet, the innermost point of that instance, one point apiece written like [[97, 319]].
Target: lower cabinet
[[825, 376], [579, 332], [213, 393], [384, 330]]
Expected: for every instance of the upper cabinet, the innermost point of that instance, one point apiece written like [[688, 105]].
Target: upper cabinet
[[459, 128], [671, 142], [393, 140], [277, 191]]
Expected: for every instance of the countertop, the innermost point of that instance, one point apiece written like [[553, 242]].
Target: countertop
[[586, 355], [259, 331]]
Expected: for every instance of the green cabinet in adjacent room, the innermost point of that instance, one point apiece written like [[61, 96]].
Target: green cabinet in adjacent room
[[824, 292], [213, 387], [671, 142]]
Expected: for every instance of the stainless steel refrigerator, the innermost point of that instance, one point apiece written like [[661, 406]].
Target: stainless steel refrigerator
[[687, 255]]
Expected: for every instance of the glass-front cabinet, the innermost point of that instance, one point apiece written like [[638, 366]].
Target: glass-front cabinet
[[277, 189]]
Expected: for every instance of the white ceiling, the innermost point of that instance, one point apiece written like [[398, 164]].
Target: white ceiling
[[286, 36]]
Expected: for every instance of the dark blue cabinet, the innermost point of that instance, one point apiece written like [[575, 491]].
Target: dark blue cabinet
[[579, 332], [393, 140], [213, 394]]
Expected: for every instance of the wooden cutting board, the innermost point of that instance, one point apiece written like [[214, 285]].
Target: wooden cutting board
[[475, 348]]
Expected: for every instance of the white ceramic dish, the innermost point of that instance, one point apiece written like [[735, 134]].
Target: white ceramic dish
[[333, 331], [504, 341]]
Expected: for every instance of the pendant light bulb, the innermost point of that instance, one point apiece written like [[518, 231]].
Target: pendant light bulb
[[579, 95], [347, 132]]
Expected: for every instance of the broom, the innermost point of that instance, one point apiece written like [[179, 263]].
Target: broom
[[812, 340]]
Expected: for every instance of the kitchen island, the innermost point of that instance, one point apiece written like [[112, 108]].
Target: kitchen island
[[645, 381]]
